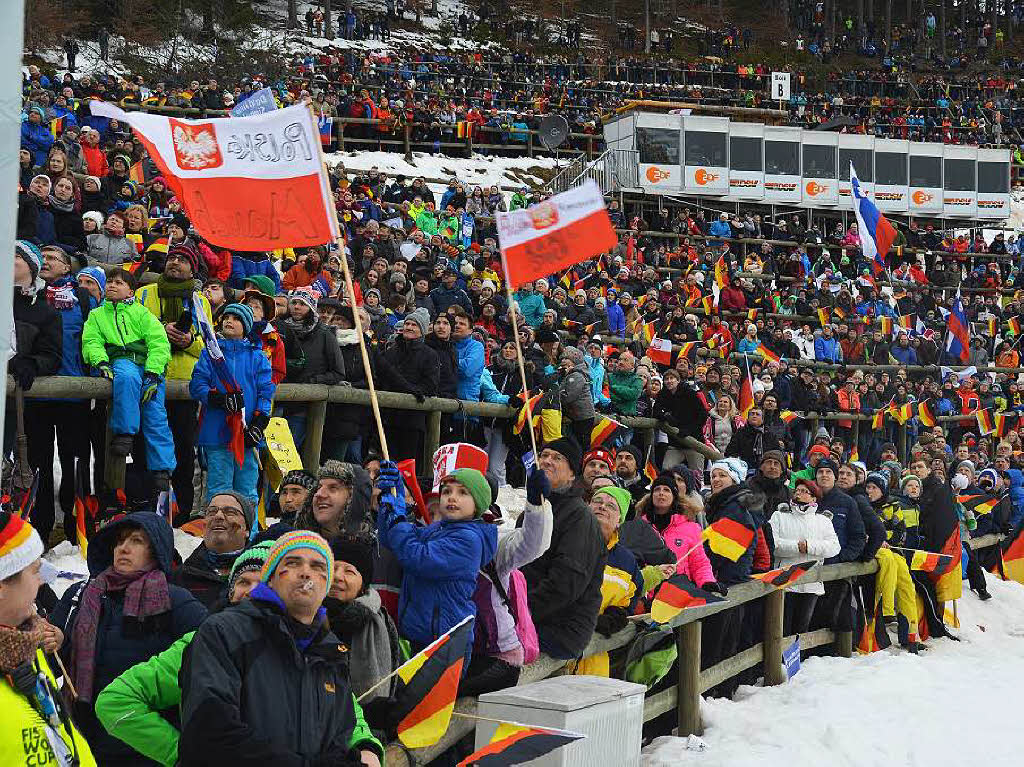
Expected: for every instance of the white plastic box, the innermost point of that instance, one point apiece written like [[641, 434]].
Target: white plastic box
[[609, 712]]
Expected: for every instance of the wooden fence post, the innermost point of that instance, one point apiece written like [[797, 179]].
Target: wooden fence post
[[844, 644], [315, 419], [408, 148], [774, 607], [432, 439], [901, 442], [688, 690], [529, 144]]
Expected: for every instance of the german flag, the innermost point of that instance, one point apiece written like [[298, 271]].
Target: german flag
[[428, 685], [605, 431], [949, 583], [746, 393], [86, 509], [647, 332], [1014, 325], [721, 273], [992, 327], [514, 743], [136, 173], [650, 470], [767, 354], [986, 423], [28, 499], [823, 317], [886, 325], [534, 409], [686, 347], [925, 415], [752, 314], [56, 127], [788, 416], [902, 413], [1011, 557], [783, 576], [708, 302], [874, 637], [1002, 424], [728, 538], [855, 454], [839, 312], [980, 504], [878, 418], [928, 562], [908, 321], [675, 595]]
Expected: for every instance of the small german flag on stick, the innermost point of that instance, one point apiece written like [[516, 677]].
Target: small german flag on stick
[[675, 595], [514, 743], [783, 576], [728, 538]]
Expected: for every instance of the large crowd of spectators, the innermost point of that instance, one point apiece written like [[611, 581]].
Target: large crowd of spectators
[[772, 345]]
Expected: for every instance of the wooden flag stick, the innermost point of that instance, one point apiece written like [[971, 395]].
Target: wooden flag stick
[[67, 676], [340, 242], [519, 359]]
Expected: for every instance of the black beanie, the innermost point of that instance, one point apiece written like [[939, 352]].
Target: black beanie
[[357, 550], [569, 448], [669, 481]]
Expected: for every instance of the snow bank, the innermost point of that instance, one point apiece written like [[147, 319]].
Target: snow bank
[[955, 703], [505, 172]]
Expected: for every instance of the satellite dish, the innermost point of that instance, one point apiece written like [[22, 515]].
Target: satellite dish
[[554, 130]]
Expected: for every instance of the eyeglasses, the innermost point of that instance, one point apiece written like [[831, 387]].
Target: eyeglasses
[[227, 511]]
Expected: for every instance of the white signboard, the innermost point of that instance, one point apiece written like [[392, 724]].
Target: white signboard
[[780, 86]]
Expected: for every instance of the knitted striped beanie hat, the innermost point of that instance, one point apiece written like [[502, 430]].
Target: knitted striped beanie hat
[[249, 561], [297, 539], [20, 545]]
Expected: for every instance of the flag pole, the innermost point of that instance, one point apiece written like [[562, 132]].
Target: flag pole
[[340, 241], [519, 358]]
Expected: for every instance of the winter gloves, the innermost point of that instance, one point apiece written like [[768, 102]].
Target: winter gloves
[[103, 370], [537, 487], [150, 385], [232, 403], [24, 369], [254, 431], [392, 504], [612, 621], [714, 587]]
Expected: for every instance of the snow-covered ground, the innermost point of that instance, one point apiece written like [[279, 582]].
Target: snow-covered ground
[[506, 172], [955, 704]]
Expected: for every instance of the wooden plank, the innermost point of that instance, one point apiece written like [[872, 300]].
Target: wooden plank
[[730, 667], [811, 639], [660, 703]]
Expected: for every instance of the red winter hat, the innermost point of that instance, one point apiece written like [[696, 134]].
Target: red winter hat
[[600, 454]]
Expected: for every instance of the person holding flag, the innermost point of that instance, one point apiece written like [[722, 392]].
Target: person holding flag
[[232, 381], [958, 334]]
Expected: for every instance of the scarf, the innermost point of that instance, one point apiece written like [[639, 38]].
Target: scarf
[[223, 561], [61, 207], [61, 294], [301, 328], [145, 594], [373, 643], [174, 296], [19, 644]]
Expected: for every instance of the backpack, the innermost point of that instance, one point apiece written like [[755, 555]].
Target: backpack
[[485, 639]]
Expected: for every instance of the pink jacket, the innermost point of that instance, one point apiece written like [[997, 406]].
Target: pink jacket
[[681, 535]]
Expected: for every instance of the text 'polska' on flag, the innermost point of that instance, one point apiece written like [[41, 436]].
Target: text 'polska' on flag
[[247, 183]]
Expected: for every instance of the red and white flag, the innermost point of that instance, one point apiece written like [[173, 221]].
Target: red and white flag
[[567, 229], [660, 351], [247, 183]]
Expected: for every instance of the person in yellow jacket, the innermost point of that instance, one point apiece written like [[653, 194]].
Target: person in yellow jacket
[[171, 298], [893, 583], [35, 725], [623, 583]]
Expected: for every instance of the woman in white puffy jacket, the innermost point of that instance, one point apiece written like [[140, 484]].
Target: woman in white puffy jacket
[[802, 534]]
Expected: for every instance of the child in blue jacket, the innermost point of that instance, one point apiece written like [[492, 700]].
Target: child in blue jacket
[[440, 562], [251, 370]]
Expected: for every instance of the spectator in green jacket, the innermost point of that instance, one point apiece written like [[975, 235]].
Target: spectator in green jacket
[[624, 385]]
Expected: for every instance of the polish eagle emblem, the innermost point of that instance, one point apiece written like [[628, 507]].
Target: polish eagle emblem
[[195, 146]]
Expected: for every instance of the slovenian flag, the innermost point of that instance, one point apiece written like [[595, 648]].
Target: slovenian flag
[[876, 233], [325, 125]]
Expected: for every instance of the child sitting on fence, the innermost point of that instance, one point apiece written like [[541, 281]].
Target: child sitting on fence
[[250, 369], [126, 344]]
